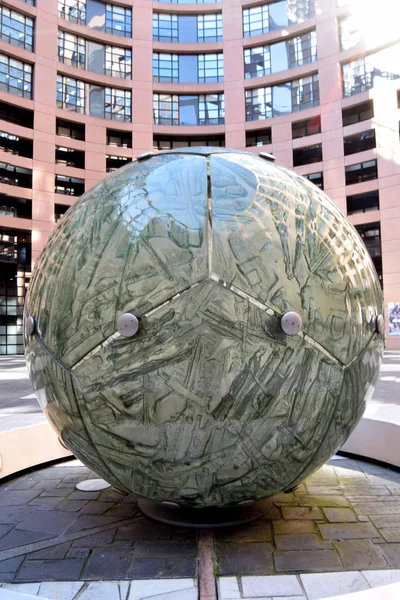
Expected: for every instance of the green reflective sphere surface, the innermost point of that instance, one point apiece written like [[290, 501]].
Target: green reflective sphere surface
[[210, 402]]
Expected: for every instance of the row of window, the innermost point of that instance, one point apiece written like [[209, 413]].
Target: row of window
[[94, 100], [21, 177], [207, 109], [276, 15], [188, 68], [363, 73], [97, 15], [288, 54], [281, 99], [95, 57], [187, 29]]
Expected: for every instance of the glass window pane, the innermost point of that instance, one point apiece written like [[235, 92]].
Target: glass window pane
[[188, 110], [187, 28], [187, 69]]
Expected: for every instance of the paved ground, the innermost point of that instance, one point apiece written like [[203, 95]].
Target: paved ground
[[345, 517], [19, 407]]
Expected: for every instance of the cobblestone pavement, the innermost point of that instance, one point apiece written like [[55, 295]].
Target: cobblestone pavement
[[345, 517]]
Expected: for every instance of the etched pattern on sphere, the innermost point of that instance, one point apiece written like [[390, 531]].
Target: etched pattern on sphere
[[210, 403]]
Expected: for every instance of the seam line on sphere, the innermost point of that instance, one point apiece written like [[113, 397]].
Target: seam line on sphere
[[272, 312], [116, 335], [209, 224], [45, 349]]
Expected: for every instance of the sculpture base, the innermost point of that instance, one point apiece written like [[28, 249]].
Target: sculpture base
[[203, 517]]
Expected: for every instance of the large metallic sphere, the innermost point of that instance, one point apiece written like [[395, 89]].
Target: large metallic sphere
[[158, 335]]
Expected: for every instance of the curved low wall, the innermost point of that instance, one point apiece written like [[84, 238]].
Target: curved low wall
[[379, 440], [28, 447]]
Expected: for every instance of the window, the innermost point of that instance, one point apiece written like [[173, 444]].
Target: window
[[70, 157], [306, 127], [76, 131], [362, 203], [85, 54], [187, 29], [14, 114], [118, 62], [165, 27], [16, 145], [105, 103], [260, 137], [371, 236], [15, 207], [16, 29], [355, 114], [59, 211], [73, 10], [121, 139], [361, 172], [269, 17], [165, 142], [188, 68], [263, 60], [255, 20], [11, 175], [70, 94], [316, 178], [70, 186], [71, 49], [97, 15], [285, 98], [118, 20], [209, 28], [307, 155], [165, 68], [188, 110], [118, 105], [31, 2], [359, 75], [359, 142], [210, 68], [15, 77], [115, 162]]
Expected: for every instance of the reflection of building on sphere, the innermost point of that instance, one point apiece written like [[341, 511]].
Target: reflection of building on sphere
[[208, 401]]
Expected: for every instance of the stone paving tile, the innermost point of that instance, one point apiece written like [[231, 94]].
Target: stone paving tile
[[392, 554], [143, 568], [301, 541], [327, 585], [293, 526], [391, 535], [16, 538], [98, 508], [98, 539], [50, 570], [107, 563], [386, 521], [10, 565], [345, 531], [306, 561], [50, 553], [378, 578], [254, 532], [61, 590], [302, 512], [360, 554], [244, 558], [55, 522], [17, 498], [339, 515], [274, 585], [320, 500], [165, 549], [228, 588], [182, 589]]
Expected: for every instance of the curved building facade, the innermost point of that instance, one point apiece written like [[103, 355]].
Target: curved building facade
[[86, 85]]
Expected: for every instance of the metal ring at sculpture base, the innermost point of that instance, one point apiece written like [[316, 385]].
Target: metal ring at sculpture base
[[203, 518]]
